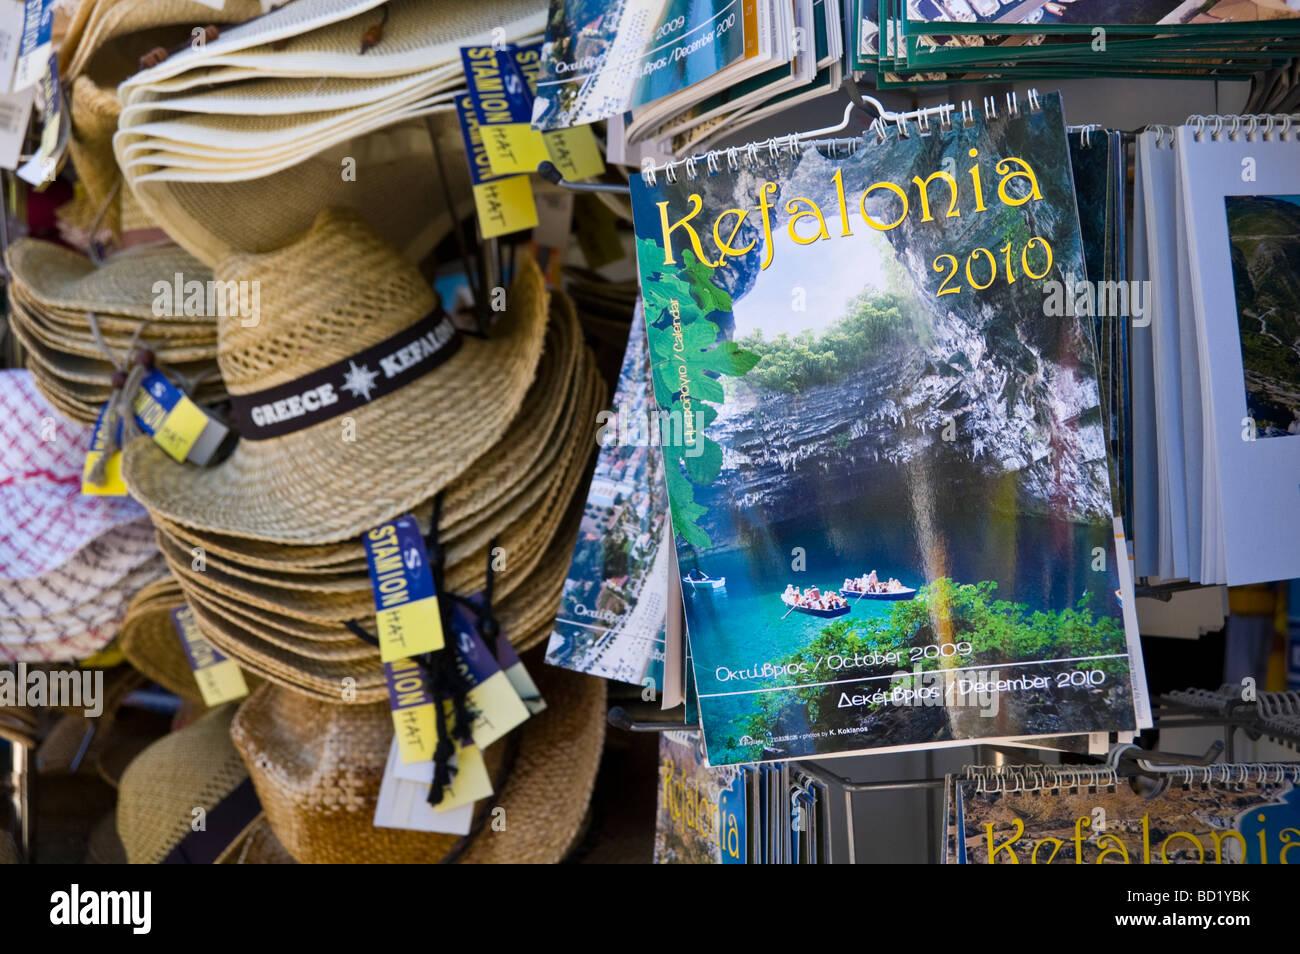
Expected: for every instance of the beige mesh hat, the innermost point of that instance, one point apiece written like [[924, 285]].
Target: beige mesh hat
[[103, 46], [325, 299], [317, 769], [196, 767], [277, 106]]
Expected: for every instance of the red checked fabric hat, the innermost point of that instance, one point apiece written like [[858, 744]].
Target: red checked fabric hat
[[47, 520]]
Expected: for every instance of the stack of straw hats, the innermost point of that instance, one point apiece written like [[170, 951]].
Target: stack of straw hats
[[317, 770], [80, 324], [68, 563], [266, 546], [269, 113], [102, 46]]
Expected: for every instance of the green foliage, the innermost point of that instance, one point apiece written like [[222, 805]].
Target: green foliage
[[875, 320], [698, 358]]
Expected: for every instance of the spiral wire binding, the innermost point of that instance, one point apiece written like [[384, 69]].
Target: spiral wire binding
[[1268, 127], [792, 144]]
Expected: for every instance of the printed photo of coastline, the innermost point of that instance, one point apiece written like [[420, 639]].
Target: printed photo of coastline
[[898, 528], [1265, 234], [612, 615]]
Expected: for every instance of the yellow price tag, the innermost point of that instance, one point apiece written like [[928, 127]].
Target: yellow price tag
[[575, 152], [410, 629], [505, 205]]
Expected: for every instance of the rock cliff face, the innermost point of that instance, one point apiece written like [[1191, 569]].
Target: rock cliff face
[[955, 402]]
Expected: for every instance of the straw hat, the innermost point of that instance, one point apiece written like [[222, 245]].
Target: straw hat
[[95, 24], [337, 291], [40, 479], [502, 486], [210, 168], [76, 738], [256, 845], [79, 323], [102, 47], [196, 767], [317, 769]]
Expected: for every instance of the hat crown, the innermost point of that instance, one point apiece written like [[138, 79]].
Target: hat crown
[[338, 290]]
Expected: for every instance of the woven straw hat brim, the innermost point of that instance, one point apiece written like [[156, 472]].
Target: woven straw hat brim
[[149, 641], [195, 767], [83, 344], [317, 770], [76, 736], [548, 792], [274, 565], [70, 408], [341, 599], [293, 125], [262, 620], [322, 37], [322, 679], [256, 845], [124, 285], [427, 434], [525, 611], [118, 332], [98, 610], [263, 95], [98, 566], [86, 369], [104, 847], [216, 214], [338, 651]]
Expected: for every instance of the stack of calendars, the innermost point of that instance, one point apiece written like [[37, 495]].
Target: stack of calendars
[[1216, 357], [911, 42], [678, 72]]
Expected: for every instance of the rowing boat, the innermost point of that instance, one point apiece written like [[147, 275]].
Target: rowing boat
[[813, 611], [906, 593]]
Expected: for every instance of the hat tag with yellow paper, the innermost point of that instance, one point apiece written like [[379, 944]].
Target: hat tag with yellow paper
[[219, 677], [406, 603], [494, 702], [178, 425], [504, 203], [502, 85], [113, 485]]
